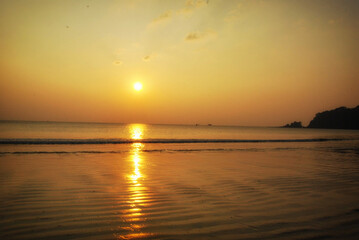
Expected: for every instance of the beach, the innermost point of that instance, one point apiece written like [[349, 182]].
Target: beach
[[238, 190], [179, 120]]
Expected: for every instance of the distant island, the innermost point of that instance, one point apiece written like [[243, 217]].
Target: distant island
[[294, 125], [339, 118]]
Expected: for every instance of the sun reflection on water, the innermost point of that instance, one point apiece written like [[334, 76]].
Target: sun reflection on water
[[136, 158], [137, 191], [136, 131]]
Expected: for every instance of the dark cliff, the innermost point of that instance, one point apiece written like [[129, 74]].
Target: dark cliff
[[340, 118]]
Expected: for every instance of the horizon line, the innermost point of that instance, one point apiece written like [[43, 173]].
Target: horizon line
[[183, 124]]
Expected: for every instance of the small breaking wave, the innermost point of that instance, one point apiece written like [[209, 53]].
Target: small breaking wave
[[143, 150], [38, 141]]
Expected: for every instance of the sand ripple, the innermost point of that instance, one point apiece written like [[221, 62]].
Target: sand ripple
[[288, 194]]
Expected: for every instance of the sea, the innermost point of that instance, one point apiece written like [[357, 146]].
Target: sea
[[146, 181]]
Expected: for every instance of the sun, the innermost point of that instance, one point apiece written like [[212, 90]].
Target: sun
[[137, 86]]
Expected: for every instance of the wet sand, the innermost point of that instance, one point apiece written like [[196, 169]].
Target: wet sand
[[308, 192]]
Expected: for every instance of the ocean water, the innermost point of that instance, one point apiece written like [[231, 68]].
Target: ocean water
[[138, 181]]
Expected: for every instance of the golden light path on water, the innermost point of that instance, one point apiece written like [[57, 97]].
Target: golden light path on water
[[137, 190], [136, 133]]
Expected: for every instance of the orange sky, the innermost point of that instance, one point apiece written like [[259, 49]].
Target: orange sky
[[251, 63]]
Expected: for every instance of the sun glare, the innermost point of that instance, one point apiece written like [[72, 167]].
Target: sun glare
[[137, 86]]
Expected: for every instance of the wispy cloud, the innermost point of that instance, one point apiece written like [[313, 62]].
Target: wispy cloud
[[149, 57], [146, 58], [191, 5], [193, 36], [234, 13], [163, 17], [118, 62]]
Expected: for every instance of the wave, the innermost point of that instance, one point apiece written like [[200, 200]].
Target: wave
[[41, 141], [169, 150], [143, 150]]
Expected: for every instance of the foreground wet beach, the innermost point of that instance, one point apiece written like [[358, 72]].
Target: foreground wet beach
[[181, 191]]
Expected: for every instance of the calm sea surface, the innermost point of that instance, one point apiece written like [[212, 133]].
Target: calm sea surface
[[137, 181]]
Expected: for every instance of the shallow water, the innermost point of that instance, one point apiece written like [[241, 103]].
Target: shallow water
[[238, 190], [72, 132]]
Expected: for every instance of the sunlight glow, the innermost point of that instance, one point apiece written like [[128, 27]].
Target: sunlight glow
[[137, 86]]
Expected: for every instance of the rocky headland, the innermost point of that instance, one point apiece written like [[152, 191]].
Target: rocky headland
[[339, 118]]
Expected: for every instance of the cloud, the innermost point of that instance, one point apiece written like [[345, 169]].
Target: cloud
[[163, 17], [146, 58], [191, 5], [196, 3], [192, 36], [149, 57], [117, 62], [234, 13]]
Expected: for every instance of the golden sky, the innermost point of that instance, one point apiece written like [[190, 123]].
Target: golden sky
[[245, 62]]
